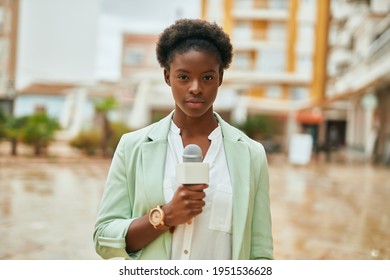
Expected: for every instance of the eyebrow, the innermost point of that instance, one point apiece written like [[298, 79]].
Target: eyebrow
[[186, 71]]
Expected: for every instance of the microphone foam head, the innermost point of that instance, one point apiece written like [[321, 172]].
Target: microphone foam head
[[192, 153]]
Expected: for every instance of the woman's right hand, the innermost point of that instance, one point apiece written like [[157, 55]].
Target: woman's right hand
[[187, 202]]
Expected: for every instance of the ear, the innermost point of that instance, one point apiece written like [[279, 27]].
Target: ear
[[167, 77], [220, 77]]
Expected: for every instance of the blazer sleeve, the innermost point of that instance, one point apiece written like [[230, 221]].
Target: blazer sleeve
[[262, 242], [115, 211]]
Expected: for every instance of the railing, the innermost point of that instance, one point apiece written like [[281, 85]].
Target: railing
[[381, 45]]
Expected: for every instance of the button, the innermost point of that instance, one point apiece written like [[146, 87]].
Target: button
[[186, 252]]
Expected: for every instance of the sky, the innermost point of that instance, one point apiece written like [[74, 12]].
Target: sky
[[80, 41]]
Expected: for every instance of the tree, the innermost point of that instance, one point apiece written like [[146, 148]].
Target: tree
[[2, 124], [13, 131], [102, 108], [39, 131], [264, 129], [260, 127]]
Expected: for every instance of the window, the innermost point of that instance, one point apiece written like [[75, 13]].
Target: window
[[271, 61], [242, 31], [307, 10], [299, 93], [278, 4], [243, 4], [305, 37], [134, 56], [4, 52], [277, 32], [2, 17], [274, 92], [214, 11], [304, 64], [242, 61]]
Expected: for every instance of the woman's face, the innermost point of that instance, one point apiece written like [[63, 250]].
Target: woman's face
[[194, 77]]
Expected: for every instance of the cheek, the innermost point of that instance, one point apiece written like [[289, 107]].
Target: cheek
[[177, 92]]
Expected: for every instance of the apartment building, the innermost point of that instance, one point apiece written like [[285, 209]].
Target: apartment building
[[138, 53], [9, 12], [279, 65], [141, 74], [358, 88]]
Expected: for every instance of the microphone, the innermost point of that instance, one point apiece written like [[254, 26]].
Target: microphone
[[192, 170]]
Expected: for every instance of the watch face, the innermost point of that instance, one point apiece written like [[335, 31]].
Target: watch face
[[155, 217]]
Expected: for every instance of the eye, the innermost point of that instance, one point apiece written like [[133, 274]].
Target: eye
[[208, 78], [182, 77]]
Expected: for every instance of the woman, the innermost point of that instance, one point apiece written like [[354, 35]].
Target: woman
[[144, 213]]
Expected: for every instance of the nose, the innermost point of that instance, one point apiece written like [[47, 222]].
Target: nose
[[195, 87]]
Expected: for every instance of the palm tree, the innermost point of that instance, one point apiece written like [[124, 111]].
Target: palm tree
[[2, 124], [13, 131], [102, 108]]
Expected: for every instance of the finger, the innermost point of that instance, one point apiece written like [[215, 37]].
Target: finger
[[197, 187], [194, 204], [197, 195], [191, 195]]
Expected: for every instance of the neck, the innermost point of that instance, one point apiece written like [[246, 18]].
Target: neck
[[192, 127]]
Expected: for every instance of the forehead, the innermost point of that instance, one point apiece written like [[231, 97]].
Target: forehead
[[195, 59]]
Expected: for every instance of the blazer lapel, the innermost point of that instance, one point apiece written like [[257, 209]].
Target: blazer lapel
[[153, 165], [153, 161], [153, 168], [237, 156]]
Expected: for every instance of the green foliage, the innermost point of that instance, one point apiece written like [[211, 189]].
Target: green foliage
[[36, 130], [12, 130], [105, 105], [87, 141], [14, 127], [90, 141], [117, 129], [260, 127], [103, 108], [39, 130], [2, 124]]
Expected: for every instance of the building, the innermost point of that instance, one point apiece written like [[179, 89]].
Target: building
[[60, 45], [138, 53], [9, 13], [280, 57], [358, 86], [141, 72], [323, 64]]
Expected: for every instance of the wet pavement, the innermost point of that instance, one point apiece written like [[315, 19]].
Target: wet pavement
[[330, 210], [337, 210]]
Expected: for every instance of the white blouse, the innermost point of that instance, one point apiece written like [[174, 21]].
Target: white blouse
[[208, 235]]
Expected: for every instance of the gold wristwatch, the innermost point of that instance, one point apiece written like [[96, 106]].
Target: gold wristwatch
[[156, 217]]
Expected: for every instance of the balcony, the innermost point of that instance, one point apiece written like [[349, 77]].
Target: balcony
[[261, 14], [256, 45], [380, 47], [251, 78]]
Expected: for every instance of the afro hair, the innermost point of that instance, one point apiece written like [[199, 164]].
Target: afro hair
[[194, 34]]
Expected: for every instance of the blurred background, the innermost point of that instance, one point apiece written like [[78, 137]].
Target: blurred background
[[310, 80]]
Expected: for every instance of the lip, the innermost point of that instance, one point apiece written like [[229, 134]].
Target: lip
[[195, 102]]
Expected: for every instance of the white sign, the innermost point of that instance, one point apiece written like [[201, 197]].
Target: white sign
[[300, 149]]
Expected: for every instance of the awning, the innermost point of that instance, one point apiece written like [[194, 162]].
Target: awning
[[308, 117]]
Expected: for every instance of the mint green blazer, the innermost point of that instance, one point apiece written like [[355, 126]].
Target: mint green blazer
[[135, 185]]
